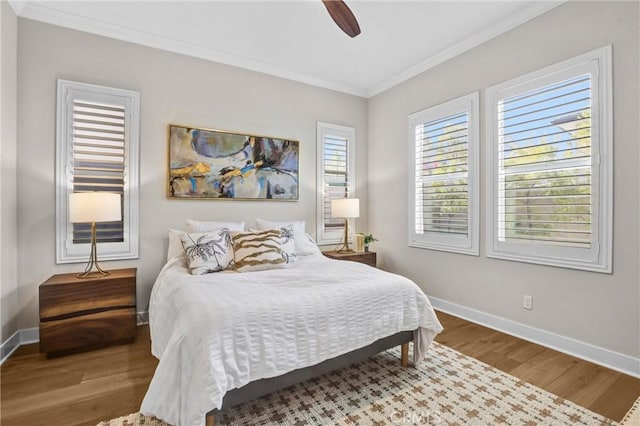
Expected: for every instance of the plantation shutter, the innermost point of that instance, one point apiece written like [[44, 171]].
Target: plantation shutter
[[443, 177], [441, 167], [98, 161], [97, 146], [545, 165], [336, 177]]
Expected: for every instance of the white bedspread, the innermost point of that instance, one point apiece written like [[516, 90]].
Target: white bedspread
[[217, 332]]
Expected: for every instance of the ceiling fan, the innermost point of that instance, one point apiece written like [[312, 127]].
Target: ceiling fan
[[343, 16]]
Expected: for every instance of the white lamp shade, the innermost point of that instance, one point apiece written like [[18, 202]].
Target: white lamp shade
[[345, 207], [94, 207]]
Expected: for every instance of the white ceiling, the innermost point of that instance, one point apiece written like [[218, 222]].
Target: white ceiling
[[297, 39]]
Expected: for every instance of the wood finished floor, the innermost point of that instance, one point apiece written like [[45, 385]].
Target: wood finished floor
[[84, 389]]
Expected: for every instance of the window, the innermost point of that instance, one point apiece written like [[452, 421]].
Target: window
[[336, 177], [550, 153], [97, 150], [443, 206]]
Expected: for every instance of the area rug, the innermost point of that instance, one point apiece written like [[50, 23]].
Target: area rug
[[448, 388]]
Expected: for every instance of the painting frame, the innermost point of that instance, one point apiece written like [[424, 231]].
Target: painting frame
[[211, 164]]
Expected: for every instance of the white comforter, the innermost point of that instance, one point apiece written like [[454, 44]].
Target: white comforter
[[217, 332]]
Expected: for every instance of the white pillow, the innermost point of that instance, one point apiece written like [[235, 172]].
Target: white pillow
[[175, 243], [208, 251], [263, 250], [197, 226], [305, 245], [316, 249]]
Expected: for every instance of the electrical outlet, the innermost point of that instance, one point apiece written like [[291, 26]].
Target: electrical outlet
[[527, 302]]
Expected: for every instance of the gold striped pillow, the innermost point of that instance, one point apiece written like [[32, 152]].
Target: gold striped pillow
[[261, 250]]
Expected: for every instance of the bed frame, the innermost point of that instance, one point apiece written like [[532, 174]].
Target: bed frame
[[259, 388]]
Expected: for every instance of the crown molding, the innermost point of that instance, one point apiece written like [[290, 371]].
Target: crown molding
[[40, 12], [526, 14], [17, 6]]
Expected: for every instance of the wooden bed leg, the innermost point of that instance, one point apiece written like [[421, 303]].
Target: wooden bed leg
[[404, 355], [210, 420]]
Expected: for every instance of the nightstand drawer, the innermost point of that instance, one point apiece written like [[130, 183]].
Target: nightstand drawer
[[65, 295], [87, 330]]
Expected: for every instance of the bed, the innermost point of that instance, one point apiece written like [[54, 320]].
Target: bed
[[227, 337]]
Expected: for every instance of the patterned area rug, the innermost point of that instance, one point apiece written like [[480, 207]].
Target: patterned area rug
[[448, 388]]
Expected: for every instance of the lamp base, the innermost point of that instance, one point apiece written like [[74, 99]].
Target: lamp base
[[345, 250], [93, 260], [94, 274], [344, 247]]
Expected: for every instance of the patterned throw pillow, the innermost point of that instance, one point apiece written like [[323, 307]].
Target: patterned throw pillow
[[305, 245], [208, 251], [261, 250]]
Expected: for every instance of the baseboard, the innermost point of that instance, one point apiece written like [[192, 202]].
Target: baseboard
[[610, 359], [32, 335], [605, 357], [29, 335], [19, 338], [9, 346]]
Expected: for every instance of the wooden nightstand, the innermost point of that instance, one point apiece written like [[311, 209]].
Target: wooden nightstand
[[368, 257], [82, 314]]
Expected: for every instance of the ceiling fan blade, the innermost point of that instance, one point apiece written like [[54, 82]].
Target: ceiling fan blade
[[342, 16]]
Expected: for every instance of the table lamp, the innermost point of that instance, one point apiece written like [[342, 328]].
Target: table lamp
[[92, 207], [346, 208]]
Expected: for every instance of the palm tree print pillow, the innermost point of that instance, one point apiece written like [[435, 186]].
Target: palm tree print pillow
[[261, 250], [208, 251]]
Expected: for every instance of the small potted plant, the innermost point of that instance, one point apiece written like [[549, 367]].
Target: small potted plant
[[368, 239]]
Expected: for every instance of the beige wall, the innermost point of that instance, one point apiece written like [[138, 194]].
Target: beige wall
[[599, 309], [174, 89], [8, 200]]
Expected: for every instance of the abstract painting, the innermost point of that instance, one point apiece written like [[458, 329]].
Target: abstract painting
[[213, 164]]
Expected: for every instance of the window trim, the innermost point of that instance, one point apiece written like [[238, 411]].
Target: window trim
[[470, 243], [599, 257], [323, 129], [67, 252]]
